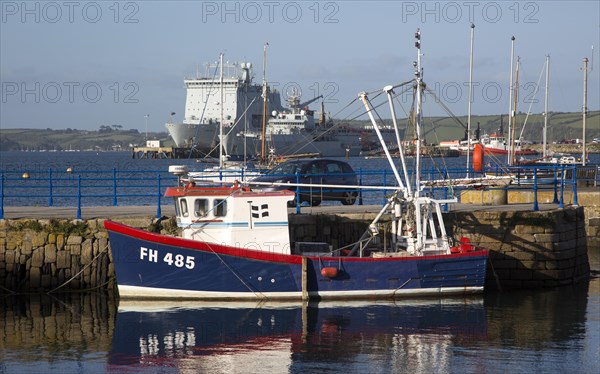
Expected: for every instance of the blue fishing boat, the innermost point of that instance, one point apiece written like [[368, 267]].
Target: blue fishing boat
[[235, 244]]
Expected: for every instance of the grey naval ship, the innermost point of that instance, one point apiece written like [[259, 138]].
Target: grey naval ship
[[288, 131]]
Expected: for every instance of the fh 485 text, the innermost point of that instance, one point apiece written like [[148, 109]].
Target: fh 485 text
[[152, 255]]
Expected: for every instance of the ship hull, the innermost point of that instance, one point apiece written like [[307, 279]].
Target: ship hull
[[150, 265]]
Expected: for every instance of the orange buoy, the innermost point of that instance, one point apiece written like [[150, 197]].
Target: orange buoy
[[478, 157], [329, 272]]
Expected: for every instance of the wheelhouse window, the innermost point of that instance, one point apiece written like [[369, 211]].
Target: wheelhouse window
[[200, 207], [177, 211], [184, 208], [220, 208]]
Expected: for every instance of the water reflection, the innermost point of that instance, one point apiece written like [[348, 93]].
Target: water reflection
[[281, 337], [518, 331]]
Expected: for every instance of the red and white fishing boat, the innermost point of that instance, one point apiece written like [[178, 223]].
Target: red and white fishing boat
[[235, 244]]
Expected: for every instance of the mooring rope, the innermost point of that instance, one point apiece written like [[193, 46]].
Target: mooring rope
[[79, 272]]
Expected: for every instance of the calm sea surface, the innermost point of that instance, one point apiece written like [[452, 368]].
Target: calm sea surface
[[543, 331]]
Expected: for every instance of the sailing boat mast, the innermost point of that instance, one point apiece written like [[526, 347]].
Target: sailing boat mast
[[419, 80], [221, 145], [584, 114], [514, 115], [470, 99], [510, 93], [545, 134], [264, 95]]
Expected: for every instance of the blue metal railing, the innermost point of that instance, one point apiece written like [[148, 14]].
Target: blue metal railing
[[138, 187]]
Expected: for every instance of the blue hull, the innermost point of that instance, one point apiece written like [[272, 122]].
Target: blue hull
[[156, 266]]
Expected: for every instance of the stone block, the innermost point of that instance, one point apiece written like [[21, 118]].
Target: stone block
[[74, 240], [50, 253], [534, 265], [86, 252], [546, 238], [75, 249], [9, 257], [38, 239], [565, 245], [37, 259], [26, 247], [60, 241], [528, 229], [51, 238], [63, 260]]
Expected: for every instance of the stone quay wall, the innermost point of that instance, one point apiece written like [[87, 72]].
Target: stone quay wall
[[527, 249]]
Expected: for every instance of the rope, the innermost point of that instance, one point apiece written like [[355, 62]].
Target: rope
[[79, 272], [256, 293]]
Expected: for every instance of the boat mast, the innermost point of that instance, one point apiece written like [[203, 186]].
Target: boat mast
[[545, 134], [264, 95], [470, 99], [514, 114], [419, 78], [510, 94], [221, 145], [584, 114]]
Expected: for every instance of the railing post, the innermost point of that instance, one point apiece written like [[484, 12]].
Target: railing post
[[298, 200], [360, 196], [1, 196], [561, 203], [78, 197], [574, 181], [535, 191], [555, 199], [158, 212], [49, 186], [114, 186]]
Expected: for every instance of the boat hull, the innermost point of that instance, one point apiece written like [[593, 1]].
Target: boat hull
[[150, 265]]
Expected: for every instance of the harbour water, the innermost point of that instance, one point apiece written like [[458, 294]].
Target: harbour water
[[550, 330], [541, 331]]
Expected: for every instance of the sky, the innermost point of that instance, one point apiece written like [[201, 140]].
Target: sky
[[85, 64]]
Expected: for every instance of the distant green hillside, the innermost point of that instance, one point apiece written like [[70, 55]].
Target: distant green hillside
[[561, 126], [107, 138]]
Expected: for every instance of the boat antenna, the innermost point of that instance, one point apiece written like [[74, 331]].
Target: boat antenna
[[470, 100]]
